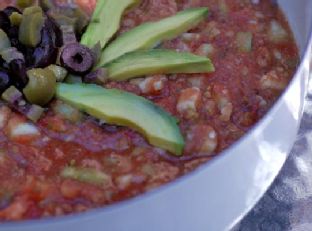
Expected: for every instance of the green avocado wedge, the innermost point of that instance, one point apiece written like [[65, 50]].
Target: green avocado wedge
[[148, 35], [158, 61], [125, 109], [105, 21]]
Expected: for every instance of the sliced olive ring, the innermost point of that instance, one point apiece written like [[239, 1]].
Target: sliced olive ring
[[77, 59]]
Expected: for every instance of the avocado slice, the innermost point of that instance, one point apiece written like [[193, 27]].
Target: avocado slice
[[148, 35], [125, 109], [158, 61], [105, 21]]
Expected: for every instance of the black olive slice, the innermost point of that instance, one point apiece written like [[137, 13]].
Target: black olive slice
[[4, 21], [10, 10], [77, 59], [18, 73], [4, 80]]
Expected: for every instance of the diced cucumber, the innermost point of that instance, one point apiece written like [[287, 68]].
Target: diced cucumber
[[244, 41], [86, 175]]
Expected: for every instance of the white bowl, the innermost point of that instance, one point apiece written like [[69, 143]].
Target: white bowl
[[220, 193]]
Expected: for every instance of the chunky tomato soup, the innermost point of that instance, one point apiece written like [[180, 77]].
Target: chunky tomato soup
[[254, 56]]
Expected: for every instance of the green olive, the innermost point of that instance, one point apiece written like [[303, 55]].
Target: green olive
[[4, 41], [24, 3], [15, 19], [30, 27], [41, 86]]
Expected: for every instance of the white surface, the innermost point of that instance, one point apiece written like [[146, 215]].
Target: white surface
[[219, 193]]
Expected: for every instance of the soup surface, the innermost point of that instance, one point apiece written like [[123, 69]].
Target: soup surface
[[255, 56]]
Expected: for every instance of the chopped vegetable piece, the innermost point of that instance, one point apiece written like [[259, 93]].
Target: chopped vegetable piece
[[125, 109], [206, 49], [12, 95], [34, 112], [72, 16], [41, 86], [15, 99], [277, 33], [99, 76], [68, 34], [59, 72], [16, 19], [140, 63], [105, 21], [11, 54], [148, 35], [73, 79], [77, 59], [63, 20], [86, 175], [244, 41], [4, 41], [31, 25], [82, 19], [22, 131], [224, 8], [68, 112]]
